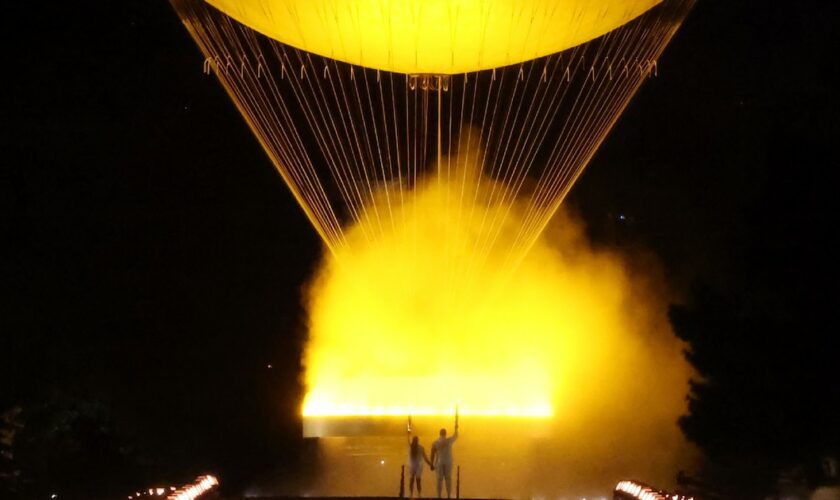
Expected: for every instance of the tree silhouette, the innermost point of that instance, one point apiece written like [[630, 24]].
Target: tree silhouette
[[765, 397]]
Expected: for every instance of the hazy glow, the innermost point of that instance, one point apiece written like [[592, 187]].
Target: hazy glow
[[429, 315], [425, 318], [315, 408], [433, 36]]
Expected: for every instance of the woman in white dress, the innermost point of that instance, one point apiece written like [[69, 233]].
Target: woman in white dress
[[416, 457]]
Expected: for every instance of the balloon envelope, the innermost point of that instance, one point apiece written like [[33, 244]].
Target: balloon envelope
[[433, 36]]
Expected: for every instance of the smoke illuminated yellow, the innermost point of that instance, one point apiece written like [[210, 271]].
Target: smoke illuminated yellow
[[427, 317], [433, 36]]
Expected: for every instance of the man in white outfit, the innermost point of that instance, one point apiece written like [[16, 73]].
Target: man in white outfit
[[442, 460]]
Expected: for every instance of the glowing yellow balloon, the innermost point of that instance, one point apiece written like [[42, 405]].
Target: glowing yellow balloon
[[433, 36]]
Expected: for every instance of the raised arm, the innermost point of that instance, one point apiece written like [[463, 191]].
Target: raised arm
[[455, 435]]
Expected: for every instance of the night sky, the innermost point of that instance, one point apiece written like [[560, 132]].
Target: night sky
[[153, 258]]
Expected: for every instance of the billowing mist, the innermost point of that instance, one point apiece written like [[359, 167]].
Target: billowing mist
[[560, 359]]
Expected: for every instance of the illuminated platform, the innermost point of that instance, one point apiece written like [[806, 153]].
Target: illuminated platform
[[423, 425], [363, 456]]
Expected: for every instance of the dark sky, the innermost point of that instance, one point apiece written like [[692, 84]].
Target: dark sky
[[153, 259]]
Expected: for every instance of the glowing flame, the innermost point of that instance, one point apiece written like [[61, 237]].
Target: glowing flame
[[429, 316], [202, 485], [631, 489]]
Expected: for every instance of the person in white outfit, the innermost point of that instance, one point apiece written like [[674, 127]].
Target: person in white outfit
[[416, 457], [442, 460]]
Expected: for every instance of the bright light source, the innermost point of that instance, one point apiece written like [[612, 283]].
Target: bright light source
[[201, 485], [643, 492]]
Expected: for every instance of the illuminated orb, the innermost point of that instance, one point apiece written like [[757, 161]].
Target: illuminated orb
[[433, 36]]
